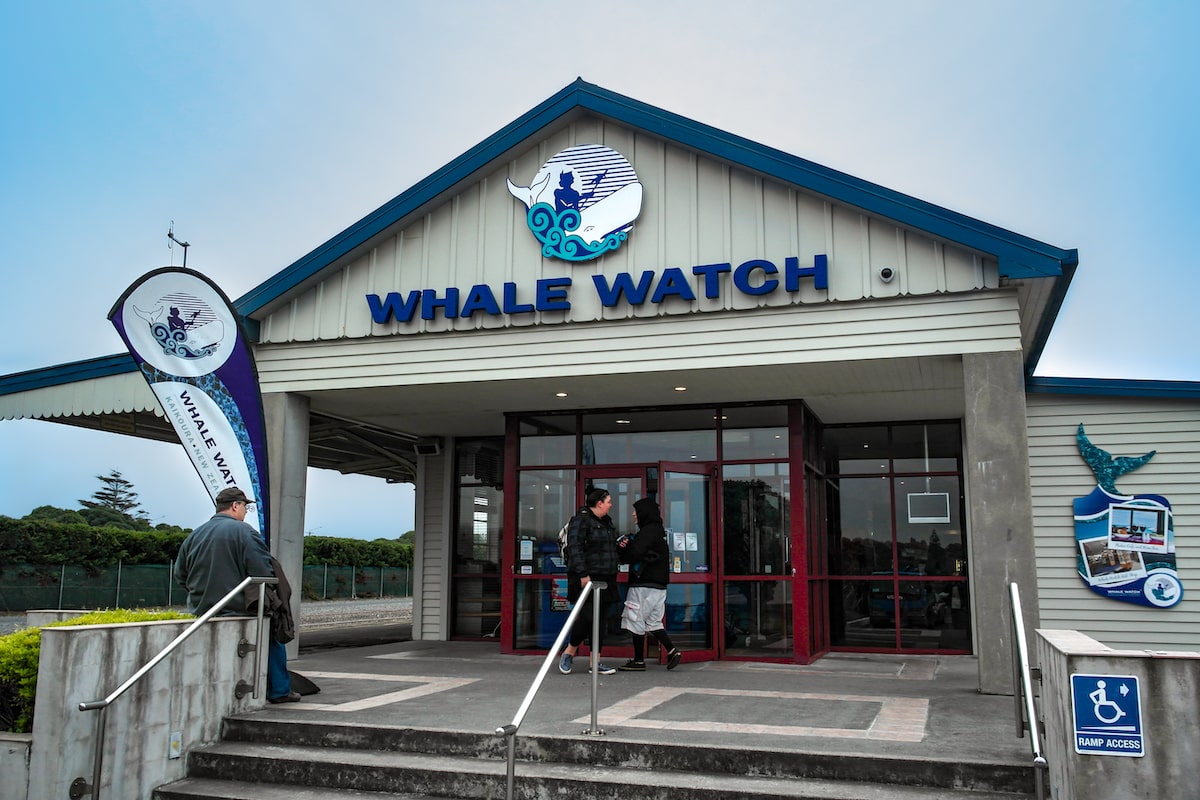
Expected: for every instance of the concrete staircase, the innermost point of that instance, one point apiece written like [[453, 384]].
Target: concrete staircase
[[265, 759]]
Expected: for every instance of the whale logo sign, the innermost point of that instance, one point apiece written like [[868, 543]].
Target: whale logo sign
[[582, 202], [189, 345], [1125, 544]]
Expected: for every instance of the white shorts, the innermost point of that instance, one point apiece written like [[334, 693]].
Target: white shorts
[[644, 609]]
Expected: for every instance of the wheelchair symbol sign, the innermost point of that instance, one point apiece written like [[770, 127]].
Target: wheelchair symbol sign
[[1108, 715]]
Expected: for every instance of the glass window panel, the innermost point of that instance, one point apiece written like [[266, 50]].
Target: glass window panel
[[547, 501], [758, 618], [857, 451], [687, 616], [639, 448], [545, 450], [684, 501], [480, 521], [754, 432], [477, 607], [942, 621], [929, 547], [758, 443], [540, 610], [756, 528], [480, 461], [864, 546], [926, 448]]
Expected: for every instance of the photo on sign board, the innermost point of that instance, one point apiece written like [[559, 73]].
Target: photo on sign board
[[1104, 565], [1132, 527]]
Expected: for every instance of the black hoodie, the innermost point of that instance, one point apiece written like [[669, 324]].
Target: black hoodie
[[647, 553]]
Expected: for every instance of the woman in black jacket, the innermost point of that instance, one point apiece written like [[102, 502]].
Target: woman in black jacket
[[649, 575], [591, 556]]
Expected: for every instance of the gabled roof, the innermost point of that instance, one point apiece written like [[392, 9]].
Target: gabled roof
[[1018, 256]]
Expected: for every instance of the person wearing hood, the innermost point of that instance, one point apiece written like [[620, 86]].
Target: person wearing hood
[[591, 556], [646, 597]]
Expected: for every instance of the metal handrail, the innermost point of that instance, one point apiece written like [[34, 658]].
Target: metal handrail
[[1023, 691], [80, 787], [510, 730]]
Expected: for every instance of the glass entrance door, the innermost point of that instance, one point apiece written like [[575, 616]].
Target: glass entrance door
[[687, 502]]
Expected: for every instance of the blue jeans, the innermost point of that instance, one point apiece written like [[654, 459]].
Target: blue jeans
[[279, 683]]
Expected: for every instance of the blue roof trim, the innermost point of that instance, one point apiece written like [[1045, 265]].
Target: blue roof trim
[[1018, 256], [101, 367], [1114, 387]]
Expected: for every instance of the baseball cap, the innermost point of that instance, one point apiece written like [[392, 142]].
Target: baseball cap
[[232, 495]]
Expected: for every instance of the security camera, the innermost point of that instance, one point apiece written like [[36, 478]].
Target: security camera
[[887, 274]]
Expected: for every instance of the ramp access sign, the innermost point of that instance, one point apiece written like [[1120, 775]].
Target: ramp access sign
[[1108, 715]]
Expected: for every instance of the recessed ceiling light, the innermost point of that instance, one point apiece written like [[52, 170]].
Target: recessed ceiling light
[[560, 394], [622, 422], [681, 388]]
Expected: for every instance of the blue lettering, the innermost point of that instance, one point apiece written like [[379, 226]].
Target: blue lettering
[[393, 306], [741, 278], [673, 283], [623, 285], [510, 301], [552, 294], [793, 272], [480, 298], [712, 278], [430, 303]]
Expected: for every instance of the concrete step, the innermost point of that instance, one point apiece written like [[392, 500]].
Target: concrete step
[[950, 772], [339, 772]]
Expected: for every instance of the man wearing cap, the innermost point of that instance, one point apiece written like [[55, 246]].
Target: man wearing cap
[[216, 557]]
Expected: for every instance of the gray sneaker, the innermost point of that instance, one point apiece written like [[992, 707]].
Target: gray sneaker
[[565, 663], [603, 669]]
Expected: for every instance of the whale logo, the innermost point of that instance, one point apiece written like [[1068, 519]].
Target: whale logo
[[582, 202], [191, 330]]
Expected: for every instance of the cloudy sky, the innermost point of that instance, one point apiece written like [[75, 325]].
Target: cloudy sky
[[262, 129]]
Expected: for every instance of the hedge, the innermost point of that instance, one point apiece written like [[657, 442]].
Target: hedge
[[19, 653]]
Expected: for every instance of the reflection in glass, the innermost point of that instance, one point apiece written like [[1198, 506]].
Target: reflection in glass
[[865, 544], [857, 450], [632, 448], [927, 548], [930, 615], [758, 618], [755, 526], [541, 609], [687, 619], [477, 606], [547, 501], [684, 502]]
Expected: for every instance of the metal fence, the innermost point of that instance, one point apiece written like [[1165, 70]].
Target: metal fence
[[25, 587]]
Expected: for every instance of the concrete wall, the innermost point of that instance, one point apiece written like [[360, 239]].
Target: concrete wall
[[1169, 685], [189, 692], [14, 764]]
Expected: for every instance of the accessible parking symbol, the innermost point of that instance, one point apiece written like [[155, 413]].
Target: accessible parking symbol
[[1108, 715]]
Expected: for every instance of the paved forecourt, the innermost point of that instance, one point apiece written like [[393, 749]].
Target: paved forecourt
[[901, 706]]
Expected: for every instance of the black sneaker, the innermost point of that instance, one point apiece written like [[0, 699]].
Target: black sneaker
[[633, 666], [673, 658], [290, 697]]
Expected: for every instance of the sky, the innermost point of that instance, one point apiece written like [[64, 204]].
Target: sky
[[260, 130]]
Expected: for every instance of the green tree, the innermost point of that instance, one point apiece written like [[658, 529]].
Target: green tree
[[117, 494]]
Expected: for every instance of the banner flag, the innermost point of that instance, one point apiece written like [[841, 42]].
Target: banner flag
[[190, 346]]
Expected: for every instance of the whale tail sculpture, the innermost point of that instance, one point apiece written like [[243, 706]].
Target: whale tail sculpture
[[1106, 467]]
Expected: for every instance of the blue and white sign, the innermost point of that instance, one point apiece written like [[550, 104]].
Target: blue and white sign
[[1107, 710], [582, 202]]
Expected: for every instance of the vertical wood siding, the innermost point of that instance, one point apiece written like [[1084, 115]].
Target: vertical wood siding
[[1124, 427], [696, 211]]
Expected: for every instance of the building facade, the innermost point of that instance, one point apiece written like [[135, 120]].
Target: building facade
[[825, 383]]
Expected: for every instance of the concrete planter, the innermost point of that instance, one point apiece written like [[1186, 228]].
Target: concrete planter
[[178, 705]]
